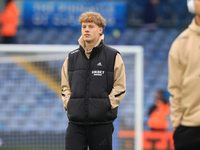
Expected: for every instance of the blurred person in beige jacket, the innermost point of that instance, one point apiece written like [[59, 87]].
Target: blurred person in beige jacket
[[184, 83]]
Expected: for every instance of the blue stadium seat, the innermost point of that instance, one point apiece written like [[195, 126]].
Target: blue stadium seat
[[40, 100]]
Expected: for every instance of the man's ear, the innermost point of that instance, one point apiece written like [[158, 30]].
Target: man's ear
[[100, 30]]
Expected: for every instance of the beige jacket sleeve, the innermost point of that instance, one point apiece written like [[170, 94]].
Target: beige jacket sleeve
[[119, 85], [176, 70], [66, 92]]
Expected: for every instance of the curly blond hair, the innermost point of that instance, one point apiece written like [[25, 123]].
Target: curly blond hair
[[93, 17]]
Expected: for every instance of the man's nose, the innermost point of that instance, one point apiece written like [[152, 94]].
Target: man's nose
[[87, 28]]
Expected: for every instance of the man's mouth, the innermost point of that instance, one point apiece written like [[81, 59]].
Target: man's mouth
[[86, 35]]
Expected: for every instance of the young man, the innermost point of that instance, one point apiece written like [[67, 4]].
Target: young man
[[93, 85], [184, 84]]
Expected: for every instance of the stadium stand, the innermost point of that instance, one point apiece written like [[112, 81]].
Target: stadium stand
[[15, 110], [156, 45]]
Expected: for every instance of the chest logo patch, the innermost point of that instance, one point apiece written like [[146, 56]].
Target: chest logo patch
[[98, 72]]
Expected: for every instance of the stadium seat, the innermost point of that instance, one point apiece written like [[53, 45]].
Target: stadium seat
[[43, 105]]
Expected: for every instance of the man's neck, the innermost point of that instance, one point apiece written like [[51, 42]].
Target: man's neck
[[90, 46], [197, 20]]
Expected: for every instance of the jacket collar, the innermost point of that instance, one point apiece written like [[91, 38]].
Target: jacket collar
[[194, 27], [95, 50]]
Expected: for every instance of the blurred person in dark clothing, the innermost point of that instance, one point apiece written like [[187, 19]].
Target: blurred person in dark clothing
[[150, 16], [9, 20], [159, 113]]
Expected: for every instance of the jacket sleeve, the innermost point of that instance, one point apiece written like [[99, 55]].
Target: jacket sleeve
[[66, 92], [151, 109], [176, 69], [119, 85]]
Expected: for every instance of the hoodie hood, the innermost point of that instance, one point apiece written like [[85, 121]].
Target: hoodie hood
[[82, 43], [194, 27]]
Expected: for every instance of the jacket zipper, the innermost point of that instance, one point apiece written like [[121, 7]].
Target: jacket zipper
[[87, 89]]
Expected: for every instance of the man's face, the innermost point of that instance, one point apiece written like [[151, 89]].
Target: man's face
[[158, 95], [155, 2], [197, 7], [90, 32]]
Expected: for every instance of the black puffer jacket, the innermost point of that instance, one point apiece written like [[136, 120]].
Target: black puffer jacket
[[91, 81]]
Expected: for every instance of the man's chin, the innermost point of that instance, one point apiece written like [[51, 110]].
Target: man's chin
[[88, 40]]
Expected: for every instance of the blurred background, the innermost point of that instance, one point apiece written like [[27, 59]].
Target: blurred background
[[31, 110]]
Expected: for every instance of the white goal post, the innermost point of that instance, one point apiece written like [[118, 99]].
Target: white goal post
[[137, 50]]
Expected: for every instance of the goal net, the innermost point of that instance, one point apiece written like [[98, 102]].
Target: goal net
[[32, 114]]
